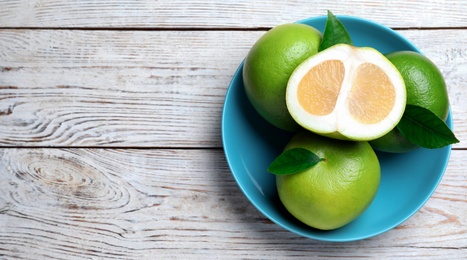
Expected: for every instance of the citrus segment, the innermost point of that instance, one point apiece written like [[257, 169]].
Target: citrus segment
[[372, 96], [347, 92], [319, 89]]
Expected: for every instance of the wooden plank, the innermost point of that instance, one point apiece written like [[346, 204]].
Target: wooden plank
[[149, 88], [115, 88], [143, 203], [224, 14]]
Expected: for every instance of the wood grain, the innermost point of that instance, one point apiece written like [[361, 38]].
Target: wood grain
[[110, 139], [146, 204], [225, 14], [132, 88]]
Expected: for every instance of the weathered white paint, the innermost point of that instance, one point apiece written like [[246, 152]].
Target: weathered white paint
[[110, 143], [224, 14]]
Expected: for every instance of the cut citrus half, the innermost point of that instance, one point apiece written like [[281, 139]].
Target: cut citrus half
[[346, 92]]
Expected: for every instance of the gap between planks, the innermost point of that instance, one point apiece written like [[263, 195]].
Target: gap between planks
[[137, 147], [198, 29], [122, 147]]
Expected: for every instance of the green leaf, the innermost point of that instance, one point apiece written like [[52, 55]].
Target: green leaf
[[334, 33], [293, 160], [423, 128]]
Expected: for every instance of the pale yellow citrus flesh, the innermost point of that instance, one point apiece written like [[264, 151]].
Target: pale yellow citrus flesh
[[370, 100], [372, 95], [319, 89]]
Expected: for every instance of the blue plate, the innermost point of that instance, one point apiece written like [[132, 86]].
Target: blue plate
[[251, 144]]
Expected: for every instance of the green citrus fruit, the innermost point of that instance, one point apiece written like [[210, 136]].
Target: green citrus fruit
[[334, 191], [269, 64], [425, 87]]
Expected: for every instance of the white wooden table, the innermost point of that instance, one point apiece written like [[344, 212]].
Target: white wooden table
[[110, 141]]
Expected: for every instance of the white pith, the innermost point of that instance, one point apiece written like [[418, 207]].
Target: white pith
[[340, 120]]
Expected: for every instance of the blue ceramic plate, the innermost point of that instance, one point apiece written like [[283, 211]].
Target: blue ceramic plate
[[251, 144]]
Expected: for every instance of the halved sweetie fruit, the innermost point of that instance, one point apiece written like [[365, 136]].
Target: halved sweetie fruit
[[347, 92]]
